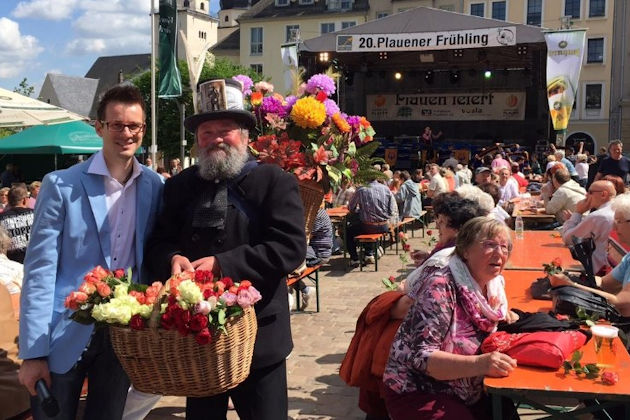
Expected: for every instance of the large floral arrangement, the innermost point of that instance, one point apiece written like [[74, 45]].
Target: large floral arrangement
[[306, 133], [193, 302]]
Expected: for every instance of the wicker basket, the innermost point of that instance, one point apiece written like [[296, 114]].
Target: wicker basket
[[312, 195], [163, 362]]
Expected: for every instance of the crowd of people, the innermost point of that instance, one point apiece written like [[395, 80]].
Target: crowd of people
[[234, 217]]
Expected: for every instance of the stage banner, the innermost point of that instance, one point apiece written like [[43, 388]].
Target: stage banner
[[170, 82], [447, 106], [565, 51], [391, 156]]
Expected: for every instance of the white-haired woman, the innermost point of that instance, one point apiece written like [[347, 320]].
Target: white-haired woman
[[616, 284], [434, 367]]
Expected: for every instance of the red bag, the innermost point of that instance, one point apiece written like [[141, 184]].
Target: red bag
[[541, 348]]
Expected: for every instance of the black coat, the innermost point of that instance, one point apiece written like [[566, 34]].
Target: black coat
[[263, 250]]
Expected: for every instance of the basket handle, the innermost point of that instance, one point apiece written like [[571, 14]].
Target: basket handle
[[154, 320]]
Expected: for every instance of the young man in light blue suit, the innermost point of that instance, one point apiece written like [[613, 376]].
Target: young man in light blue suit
[[98, 212]]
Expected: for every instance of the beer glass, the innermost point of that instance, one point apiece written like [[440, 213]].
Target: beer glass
[[604, 339]]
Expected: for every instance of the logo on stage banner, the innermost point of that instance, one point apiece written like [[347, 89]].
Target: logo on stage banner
[[447, 106], [565, 51], [170, 82]]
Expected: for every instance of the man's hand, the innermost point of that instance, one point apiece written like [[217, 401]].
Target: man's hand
[[207, 264], [584, 205], [559, 280], [179, 264], [31, 371], [566, 214]]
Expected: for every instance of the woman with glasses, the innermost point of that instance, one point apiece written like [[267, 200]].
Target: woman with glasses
[[434, 367]]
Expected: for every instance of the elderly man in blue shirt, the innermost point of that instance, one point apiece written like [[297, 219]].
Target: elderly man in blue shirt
[[377, 209]]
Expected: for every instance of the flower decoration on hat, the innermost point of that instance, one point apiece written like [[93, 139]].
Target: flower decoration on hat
[[306, 133]]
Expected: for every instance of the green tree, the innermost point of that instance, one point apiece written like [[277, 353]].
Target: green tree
[[24, 88], [168, 115]]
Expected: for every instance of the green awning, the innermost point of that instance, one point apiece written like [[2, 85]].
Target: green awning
[[75, 137]]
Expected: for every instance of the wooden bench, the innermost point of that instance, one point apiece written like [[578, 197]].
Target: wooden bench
[[312, 274], [369, 238]]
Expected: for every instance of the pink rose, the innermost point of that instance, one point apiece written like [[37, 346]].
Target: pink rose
[[247, 297], [203, 307], [610, 378], [103, 289], [87, 288], [228, 298]]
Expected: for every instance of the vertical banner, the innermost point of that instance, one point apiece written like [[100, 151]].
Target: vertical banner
[[289, 53], [565, 51], [170, 83]]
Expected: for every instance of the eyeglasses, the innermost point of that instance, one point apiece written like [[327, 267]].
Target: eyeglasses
[[594, 191], [621, 222], [134, 128], [495, 246]]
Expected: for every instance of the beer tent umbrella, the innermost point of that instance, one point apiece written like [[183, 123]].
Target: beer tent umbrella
[[21, 111], [75, 137]]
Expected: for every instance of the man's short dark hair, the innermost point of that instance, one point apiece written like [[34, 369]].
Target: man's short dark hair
[[125, 93], [562, 175], [17, 193]]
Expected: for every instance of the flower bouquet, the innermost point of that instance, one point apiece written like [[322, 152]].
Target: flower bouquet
[[306, 134], [194, 336]]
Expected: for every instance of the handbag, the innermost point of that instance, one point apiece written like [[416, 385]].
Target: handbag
[[567, 299], [540, 348]]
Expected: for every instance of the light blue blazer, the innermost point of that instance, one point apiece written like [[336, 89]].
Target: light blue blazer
[[70, 236]]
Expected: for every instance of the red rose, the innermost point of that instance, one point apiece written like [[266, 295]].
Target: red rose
[[137, 322], [119, 273], [557, 262], [245, 283], [429, 232], [610, 378], [392, 279], [166, 321], [198, 322], [406, 247], [228, 282], [203, 336], [182, 317], [233, 289], [183, 330]]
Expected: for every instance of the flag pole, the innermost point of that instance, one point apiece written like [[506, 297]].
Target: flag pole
[[153, 148]]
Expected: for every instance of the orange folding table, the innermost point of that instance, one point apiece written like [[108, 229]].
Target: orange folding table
[[538, 247], [339, 215], [530, 384]]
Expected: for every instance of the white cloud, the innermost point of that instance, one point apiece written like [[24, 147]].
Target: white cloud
[[45, 9], [112, 33], [16, 50]]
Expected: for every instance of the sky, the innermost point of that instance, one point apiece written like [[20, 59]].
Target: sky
[[66, 36]]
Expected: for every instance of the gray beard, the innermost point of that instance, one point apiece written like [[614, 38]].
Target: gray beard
[[214, 166]]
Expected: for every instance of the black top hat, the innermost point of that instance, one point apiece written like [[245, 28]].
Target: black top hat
[[220, 99]]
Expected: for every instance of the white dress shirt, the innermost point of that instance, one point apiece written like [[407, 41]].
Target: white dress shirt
[[121, 213]]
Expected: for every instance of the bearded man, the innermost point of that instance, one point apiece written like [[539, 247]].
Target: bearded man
[[236, 218]]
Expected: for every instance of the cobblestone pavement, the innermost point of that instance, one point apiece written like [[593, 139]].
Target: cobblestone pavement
[[316, 392]]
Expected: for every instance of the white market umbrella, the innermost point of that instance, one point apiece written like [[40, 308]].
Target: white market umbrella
[[21, 111]]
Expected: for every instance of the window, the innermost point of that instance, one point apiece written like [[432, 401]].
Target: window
[[597, 8], [339, 4], [256, 42], [227, 19], [256, 67], [498, 10], [572, 8], [327, 27], [282, 3], [595, 50], [593, 93], [476, 9], [534, 12], [306, 1], [292, 33], [381, 15], [345, 25], [202, 6]]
